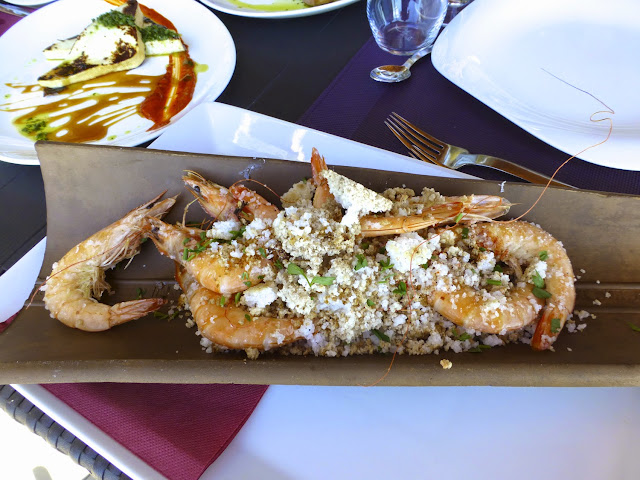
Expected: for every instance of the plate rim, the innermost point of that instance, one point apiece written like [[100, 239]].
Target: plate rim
[[304, 12], [28, 156], [443, 54]]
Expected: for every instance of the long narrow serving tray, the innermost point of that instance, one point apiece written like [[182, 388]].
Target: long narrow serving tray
[[88, 187]]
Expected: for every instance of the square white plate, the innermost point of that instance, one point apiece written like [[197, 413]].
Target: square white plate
[[549, 66]]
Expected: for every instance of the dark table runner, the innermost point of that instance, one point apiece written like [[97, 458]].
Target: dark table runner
[[354, 106]]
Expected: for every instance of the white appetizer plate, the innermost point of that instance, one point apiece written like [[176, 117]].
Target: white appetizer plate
[[221, 129], [209, 44], [273, 8], [549, 66]]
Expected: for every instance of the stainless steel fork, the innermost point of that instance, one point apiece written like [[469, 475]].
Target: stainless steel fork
[[425, 147]]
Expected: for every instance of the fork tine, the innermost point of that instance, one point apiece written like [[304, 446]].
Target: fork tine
[[415, 150], [409, 139], [439, 144], [413, 138]]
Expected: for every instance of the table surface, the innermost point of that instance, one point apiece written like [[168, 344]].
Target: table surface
[[282, 67]]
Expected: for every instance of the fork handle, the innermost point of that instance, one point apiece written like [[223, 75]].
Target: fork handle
[[506, 166]]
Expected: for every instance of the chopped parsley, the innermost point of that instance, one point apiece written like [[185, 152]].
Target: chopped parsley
[[540, 293], [537, 280], [294, 269], [237, 233], [386, 264], [237, 297], [262, 252], [458, 217], [278, 264], [480, 348], [543, 255], [401, 290], [491, 281], [155, 32], [465, 232], [361, 262], [380, 335], [223, 300], [371, 303], [114, 18], [634, 327], [555, 325], [140, 293]]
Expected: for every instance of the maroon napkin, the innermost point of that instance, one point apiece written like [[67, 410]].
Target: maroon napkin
[[4, 325], [355, 107], [179, 430], [7, 21]]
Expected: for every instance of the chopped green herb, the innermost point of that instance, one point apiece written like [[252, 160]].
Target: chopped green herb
[[361, 262], [114, 18], [223, 300], [498, 268], [155, 32], [543, 255], [278, 264], [203, 236], [247, 317], [323, 280], [294, 269], [166, 316], [491, 281], [634, 327], [260, 277], [465, 232], [262, 252], [482, 249], [479, 348], [380, 335], [140, 293], [425, 265], [365, 245], [237, 297], [458, 217], [385, 279], [237, 233], [540, 293], [537, 280], [185, 253], [382, 251], [461, 336], [244, 275], [386, 264], [371, 303], [247, 283], [186, 240], [555, 325], [401, 290]]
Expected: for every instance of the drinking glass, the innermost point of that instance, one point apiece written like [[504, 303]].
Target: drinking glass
[[404, 27]]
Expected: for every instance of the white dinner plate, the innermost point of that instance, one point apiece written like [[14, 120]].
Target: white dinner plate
[[273, 8], [29, 3], [547, 66], [221, 129], [210, 46]]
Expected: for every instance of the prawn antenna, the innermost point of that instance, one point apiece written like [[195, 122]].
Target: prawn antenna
[[608, 110]]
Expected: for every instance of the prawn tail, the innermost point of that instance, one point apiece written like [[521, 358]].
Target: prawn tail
[[323, 194], [132, 310], [547, 330]]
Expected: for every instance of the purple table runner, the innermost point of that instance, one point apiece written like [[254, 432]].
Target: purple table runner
[[355, 107]]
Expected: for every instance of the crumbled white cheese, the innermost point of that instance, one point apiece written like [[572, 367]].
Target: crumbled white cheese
[[260, 295], [354, 197]]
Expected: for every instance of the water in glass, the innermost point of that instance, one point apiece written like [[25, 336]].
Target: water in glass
[[404, 27]]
